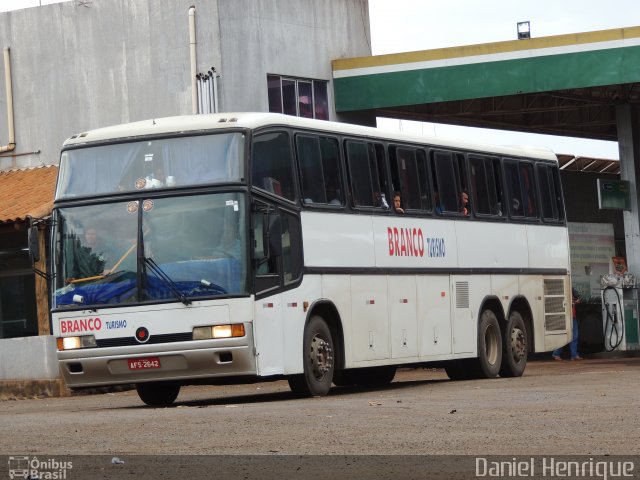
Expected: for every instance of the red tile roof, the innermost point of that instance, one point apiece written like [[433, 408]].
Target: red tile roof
[[27, 193]]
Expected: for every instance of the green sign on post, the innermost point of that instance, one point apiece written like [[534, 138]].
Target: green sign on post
[[614, 194]]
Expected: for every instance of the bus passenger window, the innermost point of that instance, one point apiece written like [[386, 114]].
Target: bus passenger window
[[529, 191], [367, 175], [409, 177], [521, 188], [486, 194], [319, 170], [291, 247], [271, 164], [514, 189], [447, 182], [331, 171], [550, 193]]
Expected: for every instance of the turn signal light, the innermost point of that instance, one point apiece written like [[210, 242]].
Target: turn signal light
[[219, 331], [73, 343]]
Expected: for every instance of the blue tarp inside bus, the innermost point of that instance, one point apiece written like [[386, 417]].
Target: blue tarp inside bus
[[193, 278]]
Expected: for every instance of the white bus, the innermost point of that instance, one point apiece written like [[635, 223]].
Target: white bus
[[233, 247]]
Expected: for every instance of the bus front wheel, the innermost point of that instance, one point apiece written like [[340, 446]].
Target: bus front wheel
[[158, 394], [514, 351], [318, 361], [489, 346]]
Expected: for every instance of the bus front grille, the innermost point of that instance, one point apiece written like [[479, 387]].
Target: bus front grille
[[128, 341]]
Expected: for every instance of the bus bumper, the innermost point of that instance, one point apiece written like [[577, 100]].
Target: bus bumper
[[180, 362]]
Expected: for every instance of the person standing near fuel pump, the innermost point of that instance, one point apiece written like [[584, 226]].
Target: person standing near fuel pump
[[573, 344]]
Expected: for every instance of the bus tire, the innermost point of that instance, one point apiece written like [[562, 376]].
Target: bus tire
[[514, 349], [489, 360], [318, 361], [158, 394]]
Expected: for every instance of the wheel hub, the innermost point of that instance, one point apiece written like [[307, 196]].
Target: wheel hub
[[518, 345], [321, 356]]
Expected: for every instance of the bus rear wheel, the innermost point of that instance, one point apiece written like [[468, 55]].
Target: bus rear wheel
[[489, 360], [514, 352], [318, 361], [158, 394]]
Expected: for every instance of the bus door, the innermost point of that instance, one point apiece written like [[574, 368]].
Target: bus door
[[277, 263], [267, 323]]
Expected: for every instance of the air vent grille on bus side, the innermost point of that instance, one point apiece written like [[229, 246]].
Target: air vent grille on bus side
[[554, 305], [462, 294], [554, 286]]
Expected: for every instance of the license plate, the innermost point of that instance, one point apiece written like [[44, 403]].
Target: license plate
[[143, 363]]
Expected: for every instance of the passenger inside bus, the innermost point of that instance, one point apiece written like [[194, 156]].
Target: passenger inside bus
[[397, 203], [464, 202], [89, 257]]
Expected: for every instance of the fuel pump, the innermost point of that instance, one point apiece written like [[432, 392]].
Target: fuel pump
[[619, 311]]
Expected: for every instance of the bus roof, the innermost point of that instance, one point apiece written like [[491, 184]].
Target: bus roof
[[211, 122]]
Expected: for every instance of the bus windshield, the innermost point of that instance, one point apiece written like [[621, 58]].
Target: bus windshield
[[162, 249], [150, 164]]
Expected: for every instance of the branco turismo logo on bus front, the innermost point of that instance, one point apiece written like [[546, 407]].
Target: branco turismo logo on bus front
[[77, 325]]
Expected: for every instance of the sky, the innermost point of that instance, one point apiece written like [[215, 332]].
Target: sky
[[407, 25]]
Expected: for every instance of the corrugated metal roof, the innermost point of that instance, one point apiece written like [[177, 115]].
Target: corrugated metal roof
[[572, 163], [27, 193]]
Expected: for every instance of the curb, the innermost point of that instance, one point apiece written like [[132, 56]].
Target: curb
[[22, 389]]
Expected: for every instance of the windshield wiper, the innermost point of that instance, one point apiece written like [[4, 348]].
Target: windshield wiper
[[155, 268]]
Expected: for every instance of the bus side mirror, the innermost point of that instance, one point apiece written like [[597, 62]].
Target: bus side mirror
[[275, 236], [34, 244]]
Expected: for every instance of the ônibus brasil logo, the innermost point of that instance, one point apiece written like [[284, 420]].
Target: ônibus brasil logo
[[33, 467]]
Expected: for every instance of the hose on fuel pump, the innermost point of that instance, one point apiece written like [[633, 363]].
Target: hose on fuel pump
[[614, 320]]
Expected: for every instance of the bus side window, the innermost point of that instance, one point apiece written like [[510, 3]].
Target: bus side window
[[423, 180], [485, 184], [360, 188], [311, 176], [265, 262], [271, 165], [378, 159], [522, 189], [409, 177], [513, 188], [550, 193], [367, 175], [291, 247], [528, 190], [499, 207], [330, 153], [447, 181], [319, 163]]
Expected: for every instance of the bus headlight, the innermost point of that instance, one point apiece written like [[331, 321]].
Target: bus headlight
[[73, 343], [218, 331]]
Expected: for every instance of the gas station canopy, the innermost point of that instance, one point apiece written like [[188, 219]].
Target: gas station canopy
[[565, 85]]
